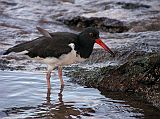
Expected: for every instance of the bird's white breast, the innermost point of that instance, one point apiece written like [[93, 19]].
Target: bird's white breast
[[65, 59]]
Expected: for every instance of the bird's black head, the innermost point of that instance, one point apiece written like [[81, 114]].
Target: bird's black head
[[89, 36]]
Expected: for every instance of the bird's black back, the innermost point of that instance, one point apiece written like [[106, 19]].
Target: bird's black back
[[46, 47]]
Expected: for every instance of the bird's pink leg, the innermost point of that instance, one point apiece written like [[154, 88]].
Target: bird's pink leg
[[60, 75], [48, 76]]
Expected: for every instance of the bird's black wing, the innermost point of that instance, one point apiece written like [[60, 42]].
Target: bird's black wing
[[45, 51], [47, 47]]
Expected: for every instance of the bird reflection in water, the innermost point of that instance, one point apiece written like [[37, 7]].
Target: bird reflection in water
[[60, 110], [59, 94], [50, 109]]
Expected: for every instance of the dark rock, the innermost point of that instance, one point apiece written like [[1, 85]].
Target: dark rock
[[141, 75], [98, 56], [132, 5], [8, 3], [152, 24], [4, 65], [103, 5], [103, 23]]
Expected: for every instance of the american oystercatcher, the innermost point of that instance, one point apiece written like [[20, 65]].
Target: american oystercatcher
[[60, 48]]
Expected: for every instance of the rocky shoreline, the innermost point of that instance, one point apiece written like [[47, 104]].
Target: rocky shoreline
[[139, 75], [103, 23], [138, 69]]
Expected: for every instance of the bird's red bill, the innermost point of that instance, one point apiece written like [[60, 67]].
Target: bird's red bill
[[99, 42]]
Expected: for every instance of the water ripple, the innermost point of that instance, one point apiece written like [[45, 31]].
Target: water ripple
[[25, 95]]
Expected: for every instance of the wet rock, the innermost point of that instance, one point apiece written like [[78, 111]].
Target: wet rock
[[4, 65], [13, 62], [103, 23], [71, 1], [8, 3], [140, 75], [98, 56], [132, 5], [152, 24]]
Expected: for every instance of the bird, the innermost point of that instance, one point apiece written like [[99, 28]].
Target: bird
[[58, 49]]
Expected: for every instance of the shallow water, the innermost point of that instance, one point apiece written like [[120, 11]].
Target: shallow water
[[25, 95]]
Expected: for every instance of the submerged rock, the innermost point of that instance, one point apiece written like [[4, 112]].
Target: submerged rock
[[5, 65], [103, 23], [132, 5], [152, 24]]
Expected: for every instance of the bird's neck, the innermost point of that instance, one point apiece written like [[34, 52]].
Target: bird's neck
[[84, 49]]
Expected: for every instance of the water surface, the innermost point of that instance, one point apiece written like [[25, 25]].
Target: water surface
[[24, 95]]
